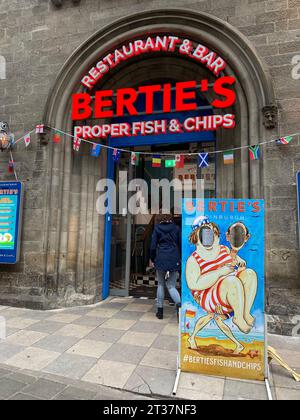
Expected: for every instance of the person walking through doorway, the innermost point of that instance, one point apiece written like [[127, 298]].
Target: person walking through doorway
[[165, 257]]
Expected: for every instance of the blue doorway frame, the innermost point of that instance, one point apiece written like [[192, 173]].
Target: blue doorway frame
[[107, 232], [109, 219]]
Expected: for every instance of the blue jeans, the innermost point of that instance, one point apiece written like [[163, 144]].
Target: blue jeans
[[171, 286]]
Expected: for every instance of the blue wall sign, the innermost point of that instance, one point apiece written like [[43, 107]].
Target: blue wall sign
[[11, 203]]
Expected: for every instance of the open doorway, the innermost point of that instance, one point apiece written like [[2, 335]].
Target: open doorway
[[130, 274]]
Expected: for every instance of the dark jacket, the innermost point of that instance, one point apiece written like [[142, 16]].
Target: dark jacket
[[165, 247]]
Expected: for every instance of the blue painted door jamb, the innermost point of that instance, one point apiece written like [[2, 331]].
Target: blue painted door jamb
[[107, 233]]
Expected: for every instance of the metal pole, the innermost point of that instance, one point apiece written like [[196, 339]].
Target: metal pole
[[179, 355], [269, 390], [176, 381], [179, 340]]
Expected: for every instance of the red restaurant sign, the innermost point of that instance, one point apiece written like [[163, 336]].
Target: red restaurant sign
[[167, 43], [108, 104]]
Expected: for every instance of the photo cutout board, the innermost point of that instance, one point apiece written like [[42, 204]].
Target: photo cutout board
[[223, 288]]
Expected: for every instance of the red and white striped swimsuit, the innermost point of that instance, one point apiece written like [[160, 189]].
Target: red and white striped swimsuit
[[210, 298]]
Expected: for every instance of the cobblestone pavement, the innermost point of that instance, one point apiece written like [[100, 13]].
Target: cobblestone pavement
[[118, 344]]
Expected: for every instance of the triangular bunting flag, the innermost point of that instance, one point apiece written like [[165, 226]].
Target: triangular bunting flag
[[76, 144], [12, 140], [96, 149], [156, 161], [116, 155], [179, 161], [27, 139], [284, 140], [203, 160], [11, 165], [228, 158], [254, 152], [40, 128], [135, 158], [56, 138], [170, 163]]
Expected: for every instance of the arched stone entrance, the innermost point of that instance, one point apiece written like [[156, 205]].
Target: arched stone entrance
[[74, 230]]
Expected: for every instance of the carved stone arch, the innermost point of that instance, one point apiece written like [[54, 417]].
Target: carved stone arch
[[71, 217]]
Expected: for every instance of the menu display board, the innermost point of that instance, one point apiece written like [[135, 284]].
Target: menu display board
[[11, 203]]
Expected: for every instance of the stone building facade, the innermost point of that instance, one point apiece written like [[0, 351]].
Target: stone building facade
[[47, 49]]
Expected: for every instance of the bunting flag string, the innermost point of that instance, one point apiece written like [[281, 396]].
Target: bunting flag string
[[76, 144], [135, 158], [116, 155], [171, 160], [203, 160], [15, 142], [179, 161], [285, 140], [156, 161], [27, 139], [56, 138], [254, 152], [40, 129], [228, 158], [170, 163], [11, 165], [282, 140], [96, 149]]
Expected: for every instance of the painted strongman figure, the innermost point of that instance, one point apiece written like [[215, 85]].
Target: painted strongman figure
[[220, 282]]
